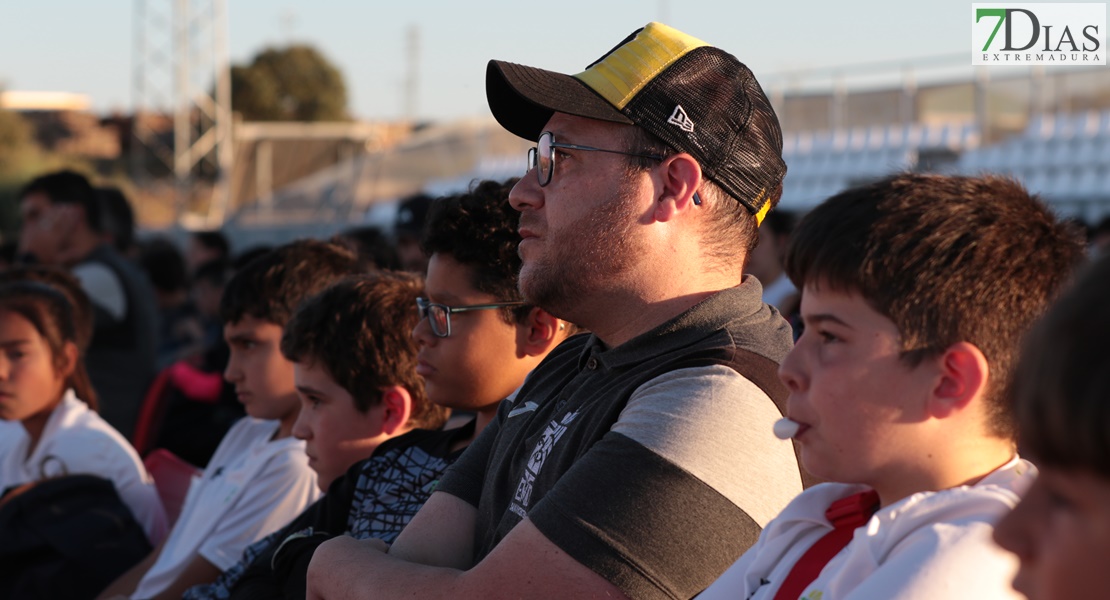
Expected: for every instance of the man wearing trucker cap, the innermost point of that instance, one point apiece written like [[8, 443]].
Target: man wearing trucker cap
[[638, 460]]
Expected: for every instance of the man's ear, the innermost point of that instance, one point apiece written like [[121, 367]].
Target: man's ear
[[397, 403], [681, 177], [963, 375], [539, 333]]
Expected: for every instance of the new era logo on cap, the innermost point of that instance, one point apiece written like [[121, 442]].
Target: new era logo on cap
[[680, 118]]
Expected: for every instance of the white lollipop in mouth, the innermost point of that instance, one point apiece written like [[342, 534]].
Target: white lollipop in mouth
[[786, 429]]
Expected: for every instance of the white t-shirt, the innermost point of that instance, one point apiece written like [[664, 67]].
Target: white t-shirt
[[76, 441], [251, 487], [930, 545]]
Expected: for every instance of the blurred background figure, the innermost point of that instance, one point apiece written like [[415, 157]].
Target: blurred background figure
[[767, 260], [373, 247], [8, 253], [208, 287], [407, 230], [62, 225], [204, 246], [180, 331], [117, 220], [190, 406], [1100, 239]]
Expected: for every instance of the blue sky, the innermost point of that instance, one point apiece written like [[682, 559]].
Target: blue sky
[[86, 46]]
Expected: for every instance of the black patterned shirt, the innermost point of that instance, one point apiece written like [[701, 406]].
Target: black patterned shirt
[[376, 498]]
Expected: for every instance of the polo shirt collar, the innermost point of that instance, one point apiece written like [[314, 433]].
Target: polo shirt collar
[[743, 302]]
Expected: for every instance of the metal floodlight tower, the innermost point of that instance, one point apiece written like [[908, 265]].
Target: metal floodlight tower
[[181, 45]]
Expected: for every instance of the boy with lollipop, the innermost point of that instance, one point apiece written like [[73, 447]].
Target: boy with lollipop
[[917, 291]]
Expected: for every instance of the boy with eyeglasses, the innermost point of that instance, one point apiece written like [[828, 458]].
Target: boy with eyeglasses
[[637, 461], [470, 359]]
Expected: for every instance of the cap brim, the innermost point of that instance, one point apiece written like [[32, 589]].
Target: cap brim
[[522, 98]]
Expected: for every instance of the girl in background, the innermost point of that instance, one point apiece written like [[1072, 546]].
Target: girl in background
[[50, 430]]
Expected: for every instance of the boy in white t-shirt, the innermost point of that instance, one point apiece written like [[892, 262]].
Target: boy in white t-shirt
[[917, 290], [259, 478]]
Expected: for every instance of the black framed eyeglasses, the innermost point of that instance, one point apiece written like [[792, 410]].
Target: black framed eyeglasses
[[439, 315], [543, 155]]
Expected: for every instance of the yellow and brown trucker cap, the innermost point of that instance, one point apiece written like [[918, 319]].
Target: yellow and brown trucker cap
[[698, 99]]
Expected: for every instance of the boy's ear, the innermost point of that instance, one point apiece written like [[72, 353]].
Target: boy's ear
[[963, 375], [681, 176], [539, 334], [397, 403]]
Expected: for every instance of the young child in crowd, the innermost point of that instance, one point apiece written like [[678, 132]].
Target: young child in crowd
[[259, 478], [472, 240], [1061, 529], [917, 291], [50, 426]]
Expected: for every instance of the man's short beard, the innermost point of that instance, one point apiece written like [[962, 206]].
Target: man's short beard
[[590, 256]]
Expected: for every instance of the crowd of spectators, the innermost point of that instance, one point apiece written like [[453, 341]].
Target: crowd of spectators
[[625, 374]]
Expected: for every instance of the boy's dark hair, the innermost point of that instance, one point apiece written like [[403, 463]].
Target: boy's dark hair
[[1062, 382], [213, 240], [67, 187], [947, 259], [373, 247], [215, 272], [360, 330], [271, 286], [245, 257], [479, 229], [164, 265], [412, 215]]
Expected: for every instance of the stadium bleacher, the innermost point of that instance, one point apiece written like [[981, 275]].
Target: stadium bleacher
[[1065, 157]]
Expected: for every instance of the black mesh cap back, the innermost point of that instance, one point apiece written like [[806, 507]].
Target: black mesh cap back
[[735, 133]]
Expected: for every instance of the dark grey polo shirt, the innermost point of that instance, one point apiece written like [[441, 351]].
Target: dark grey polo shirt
[[652, 463]]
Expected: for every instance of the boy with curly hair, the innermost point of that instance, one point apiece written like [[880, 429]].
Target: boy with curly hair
[[470, 338]]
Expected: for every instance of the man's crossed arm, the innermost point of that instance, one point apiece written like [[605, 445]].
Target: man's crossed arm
[[433, 558]]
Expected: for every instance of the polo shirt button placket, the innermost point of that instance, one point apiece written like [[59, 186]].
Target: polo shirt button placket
[[592, 363]]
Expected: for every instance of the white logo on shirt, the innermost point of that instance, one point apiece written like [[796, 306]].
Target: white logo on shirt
[[551, 435], [527, 407]]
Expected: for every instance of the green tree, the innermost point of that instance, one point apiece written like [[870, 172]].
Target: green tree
[[295, 83]]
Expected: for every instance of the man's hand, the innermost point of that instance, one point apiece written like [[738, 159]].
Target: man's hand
[[344, 568], [339, 555]]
